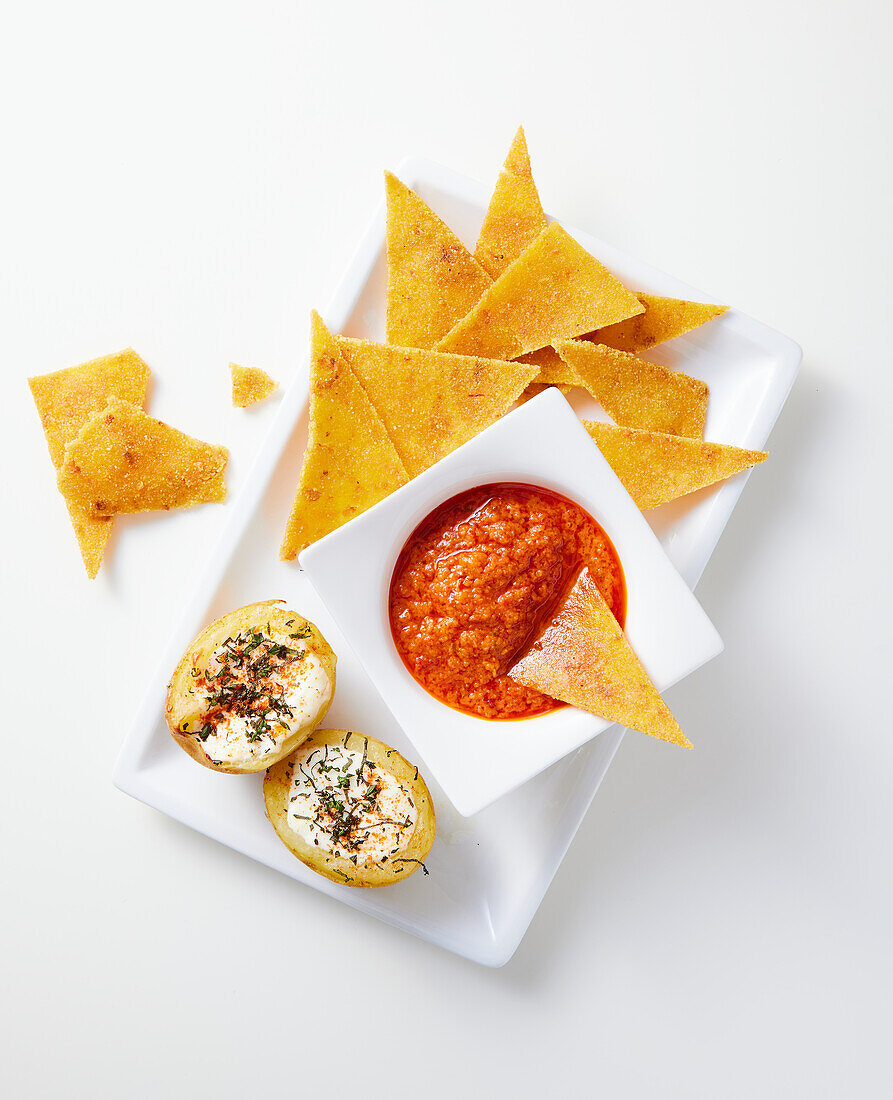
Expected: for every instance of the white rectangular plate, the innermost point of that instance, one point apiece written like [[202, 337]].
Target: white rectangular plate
[[488, 873]]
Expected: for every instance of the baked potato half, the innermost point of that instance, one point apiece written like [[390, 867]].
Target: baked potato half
[[250, 688], [351, 808]]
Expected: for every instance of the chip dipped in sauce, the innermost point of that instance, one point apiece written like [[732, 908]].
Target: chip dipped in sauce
[[477, 581]]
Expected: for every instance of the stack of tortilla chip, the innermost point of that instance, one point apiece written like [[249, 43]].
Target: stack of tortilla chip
[[110, 456], [468, 335], [380, 415], [530, 293], [530, 288]]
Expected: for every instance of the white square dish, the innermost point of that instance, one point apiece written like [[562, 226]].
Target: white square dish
[[541, 443], [490, 872]]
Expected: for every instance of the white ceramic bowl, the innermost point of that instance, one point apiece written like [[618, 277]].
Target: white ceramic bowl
[[542, 443]]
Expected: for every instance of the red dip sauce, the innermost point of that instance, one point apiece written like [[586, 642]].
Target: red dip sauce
[[478, 580]]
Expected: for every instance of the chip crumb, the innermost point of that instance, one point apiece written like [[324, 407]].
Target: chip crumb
[[250, 385]]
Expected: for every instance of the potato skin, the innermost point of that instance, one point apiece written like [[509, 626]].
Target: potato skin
[[180, 706], [276, 787]]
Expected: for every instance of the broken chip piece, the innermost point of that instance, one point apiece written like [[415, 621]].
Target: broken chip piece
[[433, 280], [583, 658], [123, 460], [553, 291], [663, 319], [636, 393], [655, 467], [250, 385], [350, 462], [430, 402], [65, 400], [514, 218]]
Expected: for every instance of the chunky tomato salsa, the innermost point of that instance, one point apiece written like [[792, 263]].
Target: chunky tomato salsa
[[477, 581]]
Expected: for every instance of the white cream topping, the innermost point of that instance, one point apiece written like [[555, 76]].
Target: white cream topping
[[342, 803], [300, 685]]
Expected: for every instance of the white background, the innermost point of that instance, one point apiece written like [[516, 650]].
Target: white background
[[191, 179]]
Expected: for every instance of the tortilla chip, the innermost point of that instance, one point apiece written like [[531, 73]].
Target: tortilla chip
[[655, 467], [636, 393], [583, 658], [663, 319], [515, 217], [553, 291], [123, 460], [250, 385], [432, 403], [350, 462], [65, 400], [433, 280]]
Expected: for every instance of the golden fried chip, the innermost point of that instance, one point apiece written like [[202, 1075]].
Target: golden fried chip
[[554, 290], [636, 393], [655, 467], [583, 658], [432, 403], [663, 319], [350, 462], [250, 385], [515, 217], [433, 279], [65, 400], [123, 460]]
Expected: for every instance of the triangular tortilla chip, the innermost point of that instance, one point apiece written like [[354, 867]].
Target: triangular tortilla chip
[[663, 319], [554, 290], [515, 217], [433, 279], [250, 385], [65, 400], [655, 467], [123, 460], [583, 658], [350, 462], [432, 403], [636, 393]]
